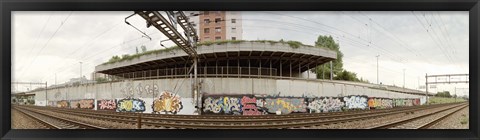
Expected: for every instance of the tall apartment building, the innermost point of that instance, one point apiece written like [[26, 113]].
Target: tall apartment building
[[218, 25]]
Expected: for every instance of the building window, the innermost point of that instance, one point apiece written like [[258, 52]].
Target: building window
[[205, 12], [234, 38], [218, 38], [234, 21], [234, 30], [218, 20], [218, 29], [206, 21], [206, 30]]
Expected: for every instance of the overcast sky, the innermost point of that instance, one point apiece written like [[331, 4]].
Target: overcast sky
[[47, 43]]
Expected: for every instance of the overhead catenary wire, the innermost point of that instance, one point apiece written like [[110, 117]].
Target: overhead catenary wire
[[53, 35]]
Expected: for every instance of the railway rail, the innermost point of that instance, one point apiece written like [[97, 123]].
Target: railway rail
[[241, 122], [424, 121], [55, 122]]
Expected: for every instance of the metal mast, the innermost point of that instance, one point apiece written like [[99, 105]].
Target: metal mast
[[188, 44]]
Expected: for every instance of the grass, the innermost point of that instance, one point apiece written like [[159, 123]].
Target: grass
[[464, 119], [126, 57], [442, 100]]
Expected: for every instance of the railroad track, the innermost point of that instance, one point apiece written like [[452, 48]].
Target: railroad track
[[423, 121], [54, 122], [240, 122]]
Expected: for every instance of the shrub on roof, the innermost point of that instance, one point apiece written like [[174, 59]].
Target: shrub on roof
[[114, 59]]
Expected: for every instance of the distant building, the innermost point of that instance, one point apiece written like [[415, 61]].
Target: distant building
[[218, 25]]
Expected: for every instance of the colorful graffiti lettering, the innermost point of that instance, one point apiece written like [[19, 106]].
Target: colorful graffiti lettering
[[62, 104], [74, 104], [416, 102], [285, 105], [87, 104], [355, 102], [327, 104], [167, 102], [403, 102], [249, 106], [379, 103], [226, 105], [130, 105], [106, 105], [83, 104]]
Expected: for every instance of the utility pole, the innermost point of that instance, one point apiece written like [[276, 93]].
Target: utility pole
[[404, 79], [55, 79], [426, 88], [80, 72], [455, 94], [331, 70], [377, 68]]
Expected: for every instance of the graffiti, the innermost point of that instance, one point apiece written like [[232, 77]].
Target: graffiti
[[131, 105], [62, 104], [327, 104], [83, 104], [127, 90], [167, 102], [139, 89], [403, 102], [250, 106], [285, 105], [52, 103], [106, 105], [58, 95], [379, 103], [355, 102], [416, 102], [151, 90], [227, 105]]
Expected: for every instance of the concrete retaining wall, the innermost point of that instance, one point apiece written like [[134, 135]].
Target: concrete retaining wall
[[148, 90]]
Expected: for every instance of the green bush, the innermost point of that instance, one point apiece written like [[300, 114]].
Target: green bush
[[115, 59]]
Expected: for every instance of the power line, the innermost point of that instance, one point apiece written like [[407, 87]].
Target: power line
[[36, 40], [63, 22]]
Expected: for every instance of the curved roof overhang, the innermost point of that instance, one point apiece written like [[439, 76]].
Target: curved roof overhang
[[253, 54]]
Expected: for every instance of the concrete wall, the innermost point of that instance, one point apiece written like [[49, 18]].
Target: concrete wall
[[148, 90]]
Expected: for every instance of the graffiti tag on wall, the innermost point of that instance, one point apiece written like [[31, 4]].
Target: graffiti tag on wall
[[379, 103], [249, 106], [83, 104], [227, 105], [327, 104], [52, 103], [403, 102], [62, 104], [127, 90], [167, 102], [285, 105], [356, 102], [106, 105], [131, 105]]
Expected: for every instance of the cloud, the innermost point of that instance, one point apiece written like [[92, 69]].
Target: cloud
[[93, 37]]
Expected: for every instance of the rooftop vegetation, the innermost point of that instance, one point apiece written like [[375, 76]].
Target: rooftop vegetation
[[115, 59]]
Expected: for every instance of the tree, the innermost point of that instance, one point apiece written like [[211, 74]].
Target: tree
[[328, 42], [144, 48], [136, 48], [114, 59], [443, 94]]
